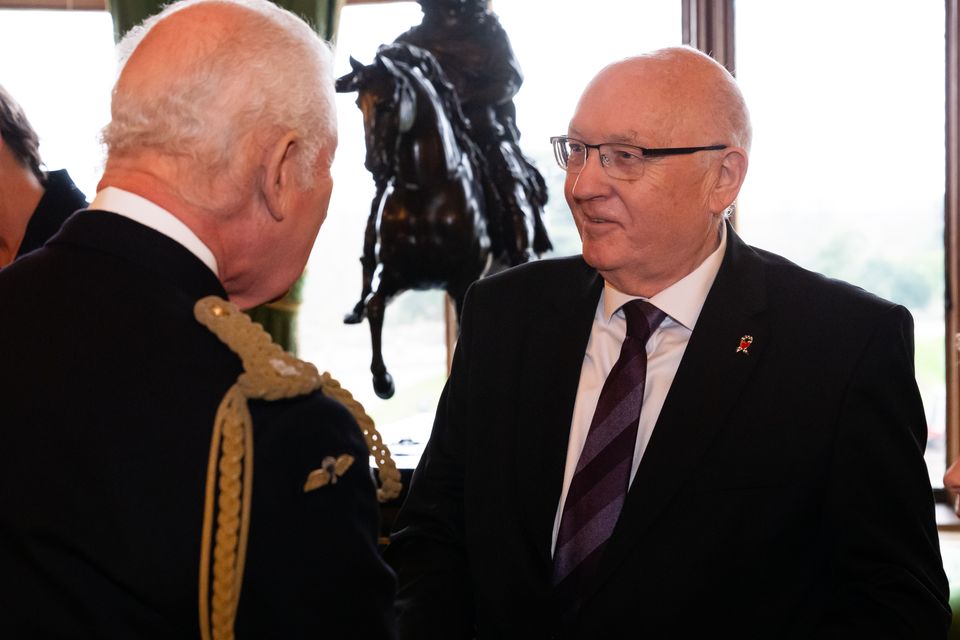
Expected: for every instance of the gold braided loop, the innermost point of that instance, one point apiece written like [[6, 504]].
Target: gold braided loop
[[270, 373], [232, 445], [390, 484], [229, 552]]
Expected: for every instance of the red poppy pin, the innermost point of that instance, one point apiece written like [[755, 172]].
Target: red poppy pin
[[745, 342]]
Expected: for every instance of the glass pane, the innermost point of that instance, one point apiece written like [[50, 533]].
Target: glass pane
[[60, 66], [847, 169], [414, 345]]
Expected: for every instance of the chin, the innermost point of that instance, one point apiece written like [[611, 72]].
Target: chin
[[595, 256]]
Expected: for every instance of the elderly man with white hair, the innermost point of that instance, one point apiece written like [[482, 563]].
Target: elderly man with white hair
[[128, 506]]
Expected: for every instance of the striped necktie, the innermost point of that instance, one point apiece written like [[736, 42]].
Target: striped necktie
[[600, 481]]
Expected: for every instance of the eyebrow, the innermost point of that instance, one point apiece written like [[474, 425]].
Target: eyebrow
[[630, 137]]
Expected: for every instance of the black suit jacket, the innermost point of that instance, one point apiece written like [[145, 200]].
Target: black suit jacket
[[783, 493], [108, 390], [61, 198]]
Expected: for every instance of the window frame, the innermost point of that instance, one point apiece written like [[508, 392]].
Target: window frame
[[708, 25], [952, 230]]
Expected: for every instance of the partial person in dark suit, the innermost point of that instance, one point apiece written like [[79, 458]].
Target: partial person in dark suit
[[34, 203], [751, 466], [216, 183]]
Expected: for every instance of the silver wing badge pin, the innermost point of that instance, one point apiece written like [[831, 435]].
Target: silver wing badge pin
[[330, 469]]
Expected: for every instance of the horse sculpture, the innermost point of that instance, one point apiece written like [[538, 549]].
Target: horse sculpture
[[426, 228]]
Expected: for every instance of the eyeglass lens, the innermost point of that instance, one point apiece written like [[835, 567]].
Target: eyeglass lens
[[620, 161]]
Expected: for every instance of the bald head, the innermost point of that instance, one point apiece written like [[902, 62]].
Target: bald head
[[681, 94], [204, 81]]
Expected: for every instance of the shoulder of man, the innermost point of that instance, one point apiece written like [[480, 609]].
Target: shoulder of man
[[313, 565], [538, 273], [792, 285], [293, 421], [533, 284], [308, 426], [522, 298]]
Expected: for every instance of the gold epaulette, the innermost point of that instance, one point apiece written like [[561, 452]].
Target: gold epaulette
[[269, 373]]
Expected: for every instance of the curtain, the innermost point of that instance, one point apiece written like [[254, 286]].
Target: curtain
[[278, 318]]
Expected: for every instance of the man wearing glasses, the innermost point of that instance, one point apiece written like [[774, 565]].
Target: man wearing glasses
[[675, 434]]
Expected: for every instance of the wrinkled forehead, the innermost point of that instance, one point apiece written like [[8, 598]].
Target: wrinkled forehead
[[642, 102]]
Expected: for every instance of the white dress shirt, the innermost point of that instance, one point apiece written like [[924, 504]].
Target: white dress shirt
[[139, 209], [682, 302]]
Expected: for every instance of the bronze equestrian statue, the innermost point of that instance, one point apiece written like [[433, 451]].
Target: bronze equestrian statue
[[427, 226], [475, 54]]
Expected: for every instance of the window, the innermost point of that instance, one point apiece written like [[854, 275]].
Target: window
[[847, 166], [60, 66]]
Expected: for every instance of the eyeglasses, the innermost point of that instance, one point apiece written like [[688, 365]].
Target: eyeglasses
[[621, 161]]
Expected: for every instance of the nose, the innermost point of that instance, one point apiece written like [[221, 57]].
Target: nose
[[592, 179]]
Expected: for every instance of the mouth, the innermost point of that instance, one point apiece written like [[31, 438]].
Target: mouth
[[597, 219]]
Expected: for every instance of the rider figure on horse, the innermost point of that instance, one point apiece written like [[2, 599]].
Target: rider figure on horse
[[475, 54]]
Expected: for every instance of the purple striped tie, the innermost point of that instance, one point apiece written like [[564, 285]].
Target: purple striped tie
[[600, 481]]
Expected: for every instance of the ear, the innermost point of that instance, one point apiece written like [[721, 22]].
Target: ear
[[350, 81], [733, 169], [281, 161], [347, 83]]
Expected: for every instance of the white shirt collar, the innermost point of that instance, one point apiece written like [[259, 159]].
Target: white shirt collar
[[139, 209], [681, 301]]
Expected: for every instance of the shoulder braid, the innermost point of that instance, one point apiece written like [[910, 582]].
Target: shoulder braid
[[270, 373]]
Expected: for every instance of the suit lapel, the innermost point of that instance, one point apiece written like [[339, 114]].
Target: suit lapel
[[550, 373], [708, 383]]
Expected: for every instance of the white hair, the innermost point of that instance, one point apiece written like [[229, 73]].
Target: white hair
[[277, 75]]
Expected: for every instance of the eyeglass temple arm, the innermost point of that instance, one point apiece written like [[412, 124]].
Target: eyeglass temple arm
[[675, 151]]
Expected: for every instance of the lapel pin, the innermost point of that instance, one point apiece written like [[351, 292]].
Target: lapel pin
[[331, 468], [745, 342]]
